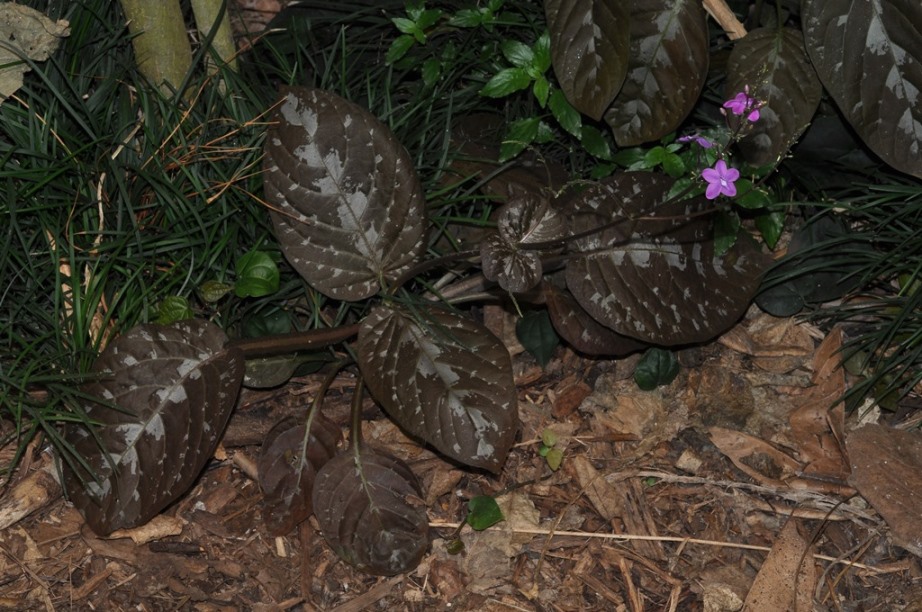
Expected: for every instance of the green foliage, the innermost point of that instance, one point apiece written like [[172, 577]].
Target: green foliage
[[536, 333], [483, 512], [257, 275], [657, 368]]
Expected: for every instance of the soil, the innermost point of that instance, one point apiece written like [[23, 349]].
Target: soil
[[726, 484]]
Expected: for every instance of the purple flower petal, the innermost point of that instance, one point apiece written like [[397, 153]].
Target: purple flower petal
[[720, 180]]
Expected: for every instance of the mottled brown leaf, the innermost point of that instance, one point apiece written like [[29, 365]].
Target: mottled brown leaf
[[174, 387], [369, 506], [347, 205]]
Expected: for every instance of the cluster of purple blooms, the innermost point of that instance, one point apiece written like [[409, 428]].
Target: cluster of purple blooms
[[721, 178]]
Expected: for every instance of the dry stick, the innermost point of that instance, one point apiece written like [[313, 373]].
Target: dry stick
[[683, 541], [722, 14]]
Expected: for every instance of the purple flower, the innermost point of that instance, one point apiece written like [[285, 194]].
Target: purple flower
[[744, 104], [702, 142], [720, 180]]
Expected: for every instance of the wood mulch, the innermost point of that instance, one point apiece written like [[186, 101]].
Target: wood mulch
[[731, 482]]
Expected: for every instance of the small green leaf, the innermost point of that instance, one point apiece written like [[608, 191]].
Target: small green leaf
[[521, 134], [654, 157], [483, 512], [267, 324], [673, 165], [536, 333], [751, 197], [399, 48], [518, 53], [212, 291], [657, 367], [407, 26], [554, 458], [174, 308], [567, 116], [427, 19], [466, 18], [505, 82], [594, 142], [548, 438], [432, 70], [542, 51], [257, 275], [770, 225], [454, 547], [541, 88], [726, 231], [543, 450]]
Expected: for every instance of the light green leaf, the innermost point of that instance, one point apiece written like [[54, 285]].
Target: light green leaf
[[505, 82], [518, 53], [257, 275], [567, 116]]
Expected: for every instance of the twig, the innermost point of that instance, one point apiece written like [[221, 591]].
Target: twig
[[683, 541], [722, 14]]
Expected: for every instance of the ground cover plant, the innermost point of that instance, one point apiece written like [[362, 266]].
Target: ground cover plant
[[210, 233]]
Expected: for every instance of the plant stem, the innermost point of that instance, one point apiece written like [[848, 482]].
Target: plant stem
[[280, 344], [161, 46]]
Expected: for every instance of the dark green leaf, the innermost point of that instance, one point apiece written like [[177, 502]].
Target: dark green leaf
[[726, 231], [536, 333], [518, 53], [466, 18], [432, 70], [589, 48], [267, 322], [750, 196], [399, 48], [483, 512], [770, 226], [594, 142], [257, 275], [505, 82], [774, 64], [174, 308], [667, 69], [212, 291], [521, 134], [447, 380], [869, 57], [657, 367], [541, 89], [567, 116]]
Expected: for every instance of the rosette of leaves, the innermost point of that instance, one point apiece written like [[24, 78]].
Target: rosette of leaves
[[644, 264], [347, 204], [526, 220], [291, 455], [369, 507], [445, 379], [161, 397]]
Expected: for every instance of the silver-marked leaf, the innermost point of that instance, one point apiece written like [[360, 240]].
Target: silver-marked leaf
[[869, 57], [525, 220], [446, 380], [667, 69], [288, 464], [369, 507], [774, 64], [347, 205], [581, 331], [174, 387], [589, 50], [653, 276]]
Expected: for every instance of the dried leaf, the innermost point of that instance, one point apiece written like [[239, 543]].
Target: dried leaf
[[288, 463], [757, 458], [369, 507], [446, 380], [787, 578], [175, 387], [348, 207], [887, 471]]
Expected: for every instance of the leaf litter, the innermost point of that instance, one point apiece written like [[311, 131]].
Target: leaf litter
[[648, 510]]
